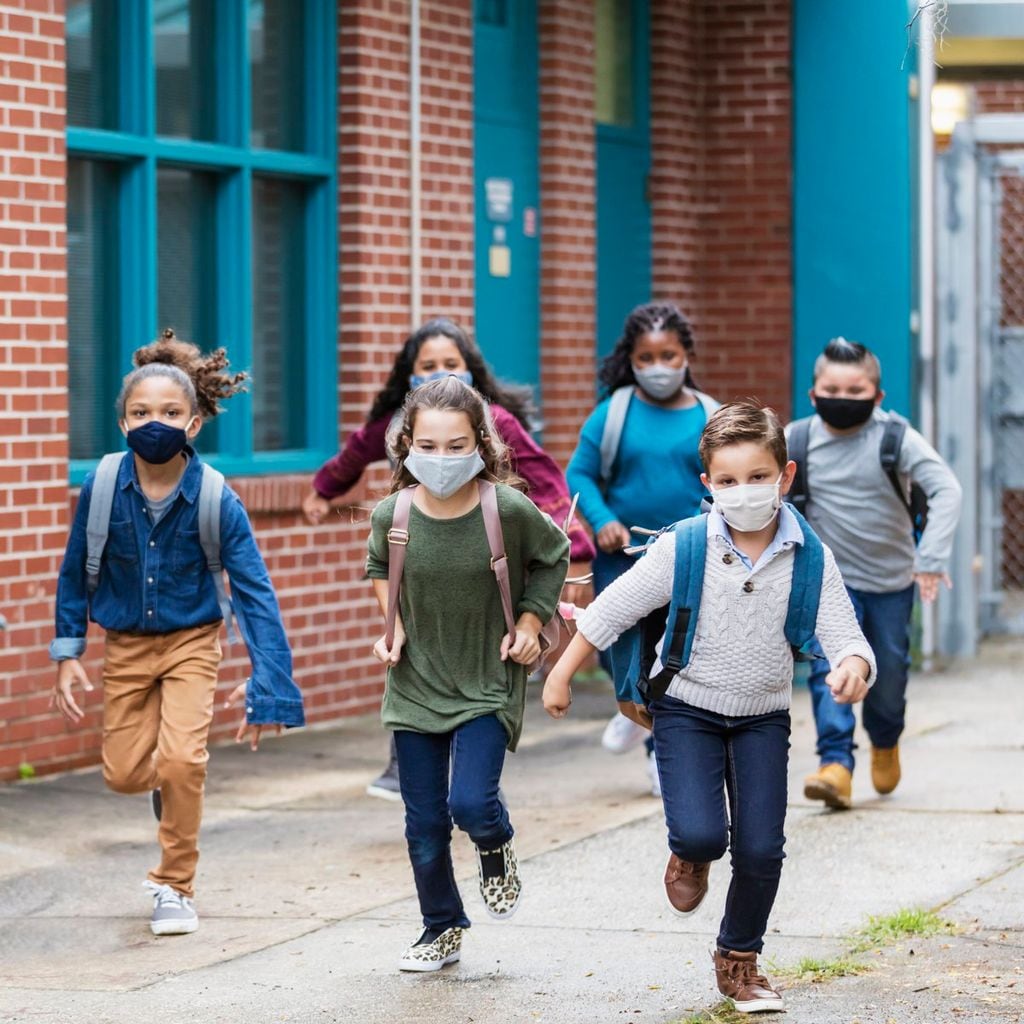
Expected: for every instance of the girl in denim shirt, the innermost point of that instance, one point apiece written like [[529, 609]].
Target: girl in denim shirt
[[158, 603]]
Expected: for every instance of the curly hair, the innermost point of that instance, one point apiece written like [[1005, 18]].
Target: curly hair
[[202, 378], [617, 367], [517, 399], [451, 395]]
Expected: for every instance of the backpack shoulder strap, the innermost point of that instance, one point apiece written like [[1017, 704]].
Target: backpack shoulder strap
[[97, 527], [499, 559], [889, 455], [796, 443], [805, 591], [398, 541], [211, 493], [708, 404], [618, 406]]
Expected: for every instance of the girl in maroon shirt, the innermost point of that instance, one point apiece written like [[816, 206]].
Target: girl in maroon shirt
[[441, 347]]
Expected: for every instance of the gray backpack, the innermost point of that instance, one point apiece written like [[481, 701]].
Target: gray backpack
[[616, 419], [97, 528]]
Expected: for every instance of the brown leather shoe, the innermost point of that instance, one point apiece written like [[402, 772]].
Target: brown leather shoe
[[739, 980], [885, 768], [686, 885], [831, 783]]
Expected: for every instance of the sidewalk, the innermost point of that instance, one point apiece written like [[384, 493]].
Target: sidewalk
[[305, 891]]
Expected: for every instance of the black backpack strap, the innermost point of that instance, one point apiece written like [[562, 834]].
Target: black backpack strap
[[796, 443], [889, 456]]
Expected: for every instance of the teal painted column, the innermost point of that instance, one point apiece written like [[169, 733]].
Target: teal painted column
[[854, 181]]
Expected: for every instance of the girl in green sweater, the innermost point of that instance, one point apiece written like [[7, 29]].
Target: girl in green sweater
[[456, 681]]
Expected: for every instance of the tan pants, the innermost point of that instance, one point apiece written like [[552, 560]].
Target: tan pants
[[157, 707]]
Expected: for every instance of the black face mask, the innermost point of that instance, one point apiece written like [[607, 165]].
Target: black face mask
[[843, 413]]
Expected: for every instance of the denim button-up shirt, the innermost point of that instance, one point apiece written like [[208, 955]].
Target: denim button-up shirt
[[154, 579]]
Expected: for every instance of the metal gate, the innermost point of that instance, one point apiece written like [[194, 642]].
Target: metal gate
[[980, 373]]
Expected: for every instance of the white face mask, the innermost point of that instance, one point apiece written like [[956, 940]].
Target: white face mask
[[660, 382], [749, 507], [443, 475]]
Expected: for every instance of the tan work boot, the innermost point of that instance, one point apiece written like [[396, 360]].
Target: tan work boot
[[686, 885], [885, 768], [831, 783], [739, 980]]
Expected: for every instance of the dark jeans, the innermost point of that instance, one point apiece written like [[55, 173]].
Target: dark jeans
[[702, 756], [444, 778], [885, 620]]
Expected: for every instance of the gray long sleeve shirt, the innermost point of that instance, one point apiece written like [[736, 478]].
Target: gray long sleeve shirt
[[854, 509]]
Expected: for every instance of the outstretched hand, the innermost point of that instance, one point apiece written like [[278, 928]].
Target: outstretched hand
[[255, 731]]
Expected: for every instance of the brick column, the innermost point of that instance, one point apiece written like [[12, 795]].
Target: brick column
[[568, 236], [33, 381]]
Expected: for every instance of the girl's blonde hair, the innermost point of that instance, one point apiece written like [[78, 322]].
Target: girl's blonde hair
[[450, 394], [202, 378]]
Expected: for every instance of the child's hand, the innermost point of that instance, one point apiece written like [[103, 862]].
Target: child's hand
[[557, 695], [394, 655], [69, 672], [613, 537], [315, 508], [928, 584], [255, 731], [636, 713], [526, 649], [847, 681]]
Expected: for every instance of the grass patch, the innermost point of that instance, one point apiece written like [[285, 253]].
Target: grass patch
[[720, 1013], [885, 929], [811, 969]]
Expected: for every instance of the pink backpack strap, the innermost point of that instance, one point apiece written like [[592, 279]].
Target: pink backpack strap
[[499, 559], [398, 541]]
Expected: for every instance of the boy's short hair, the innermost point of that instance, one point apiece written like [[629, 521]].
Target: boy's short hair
[[851, 353], [738, 422]]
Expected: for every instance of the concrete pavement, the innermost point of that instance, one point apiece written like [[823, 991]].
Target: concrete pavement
[[305, 893]]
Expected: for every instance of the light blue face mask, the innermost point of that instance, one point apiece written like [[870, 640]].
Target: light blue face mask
[[443, 475], [464, 375]]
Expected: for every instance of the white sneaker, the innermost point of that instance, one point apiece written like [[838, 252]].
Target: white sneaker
[[622, 734], [173, 913], [652, 771]]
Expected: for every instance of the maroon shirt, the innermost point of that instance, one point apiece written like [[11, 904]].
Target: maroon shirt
[[546, 486]]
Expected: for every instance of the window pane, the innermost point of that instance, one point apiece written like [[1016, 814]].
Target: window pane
[[90, 28], [613, 62], [183, 47], [187, 264], [491, 12], [279, 314], [94, 369], [277, 70]]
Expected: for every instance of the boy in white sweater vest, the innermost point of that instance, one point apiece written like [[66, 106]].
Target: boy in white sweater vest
[[723, 725]]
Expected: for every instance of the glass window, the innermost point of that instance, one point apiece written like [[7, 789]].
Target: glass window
[[186, 258], [185, 95], [91, 68], [613, 62], [279, 318], [491, 12], [275, 50], [92, 309]]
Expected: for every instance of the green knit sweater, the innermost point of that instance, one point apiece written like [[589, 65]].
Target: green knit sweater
[[451, 670]]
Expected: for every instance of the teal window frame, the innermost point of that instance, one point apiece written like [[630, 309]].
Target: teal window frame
[[137, 147]]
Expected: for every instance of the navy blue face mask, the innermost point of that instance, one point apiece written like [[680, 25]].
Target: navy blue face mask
[[156, 442]]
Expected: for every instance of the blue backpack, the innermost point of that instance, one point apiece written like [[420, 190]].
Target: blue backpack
[[677, 621]]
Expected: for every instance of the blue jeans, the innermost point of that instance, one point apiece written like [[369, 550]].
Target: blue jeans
[[702, 756], [444, 778], [885, 620]]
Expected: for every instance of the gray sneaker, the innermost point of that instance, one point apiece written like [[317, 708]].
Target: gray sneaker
[[173, 913], [386, 785]]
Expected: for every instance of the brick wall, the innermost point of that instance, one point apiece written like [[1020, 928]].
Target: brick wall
[[568, 236], [721, 169], [33, 377]]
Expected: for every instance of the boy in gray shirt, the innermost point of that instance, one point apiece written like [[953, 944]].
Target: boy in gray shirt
[[852, 504]]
